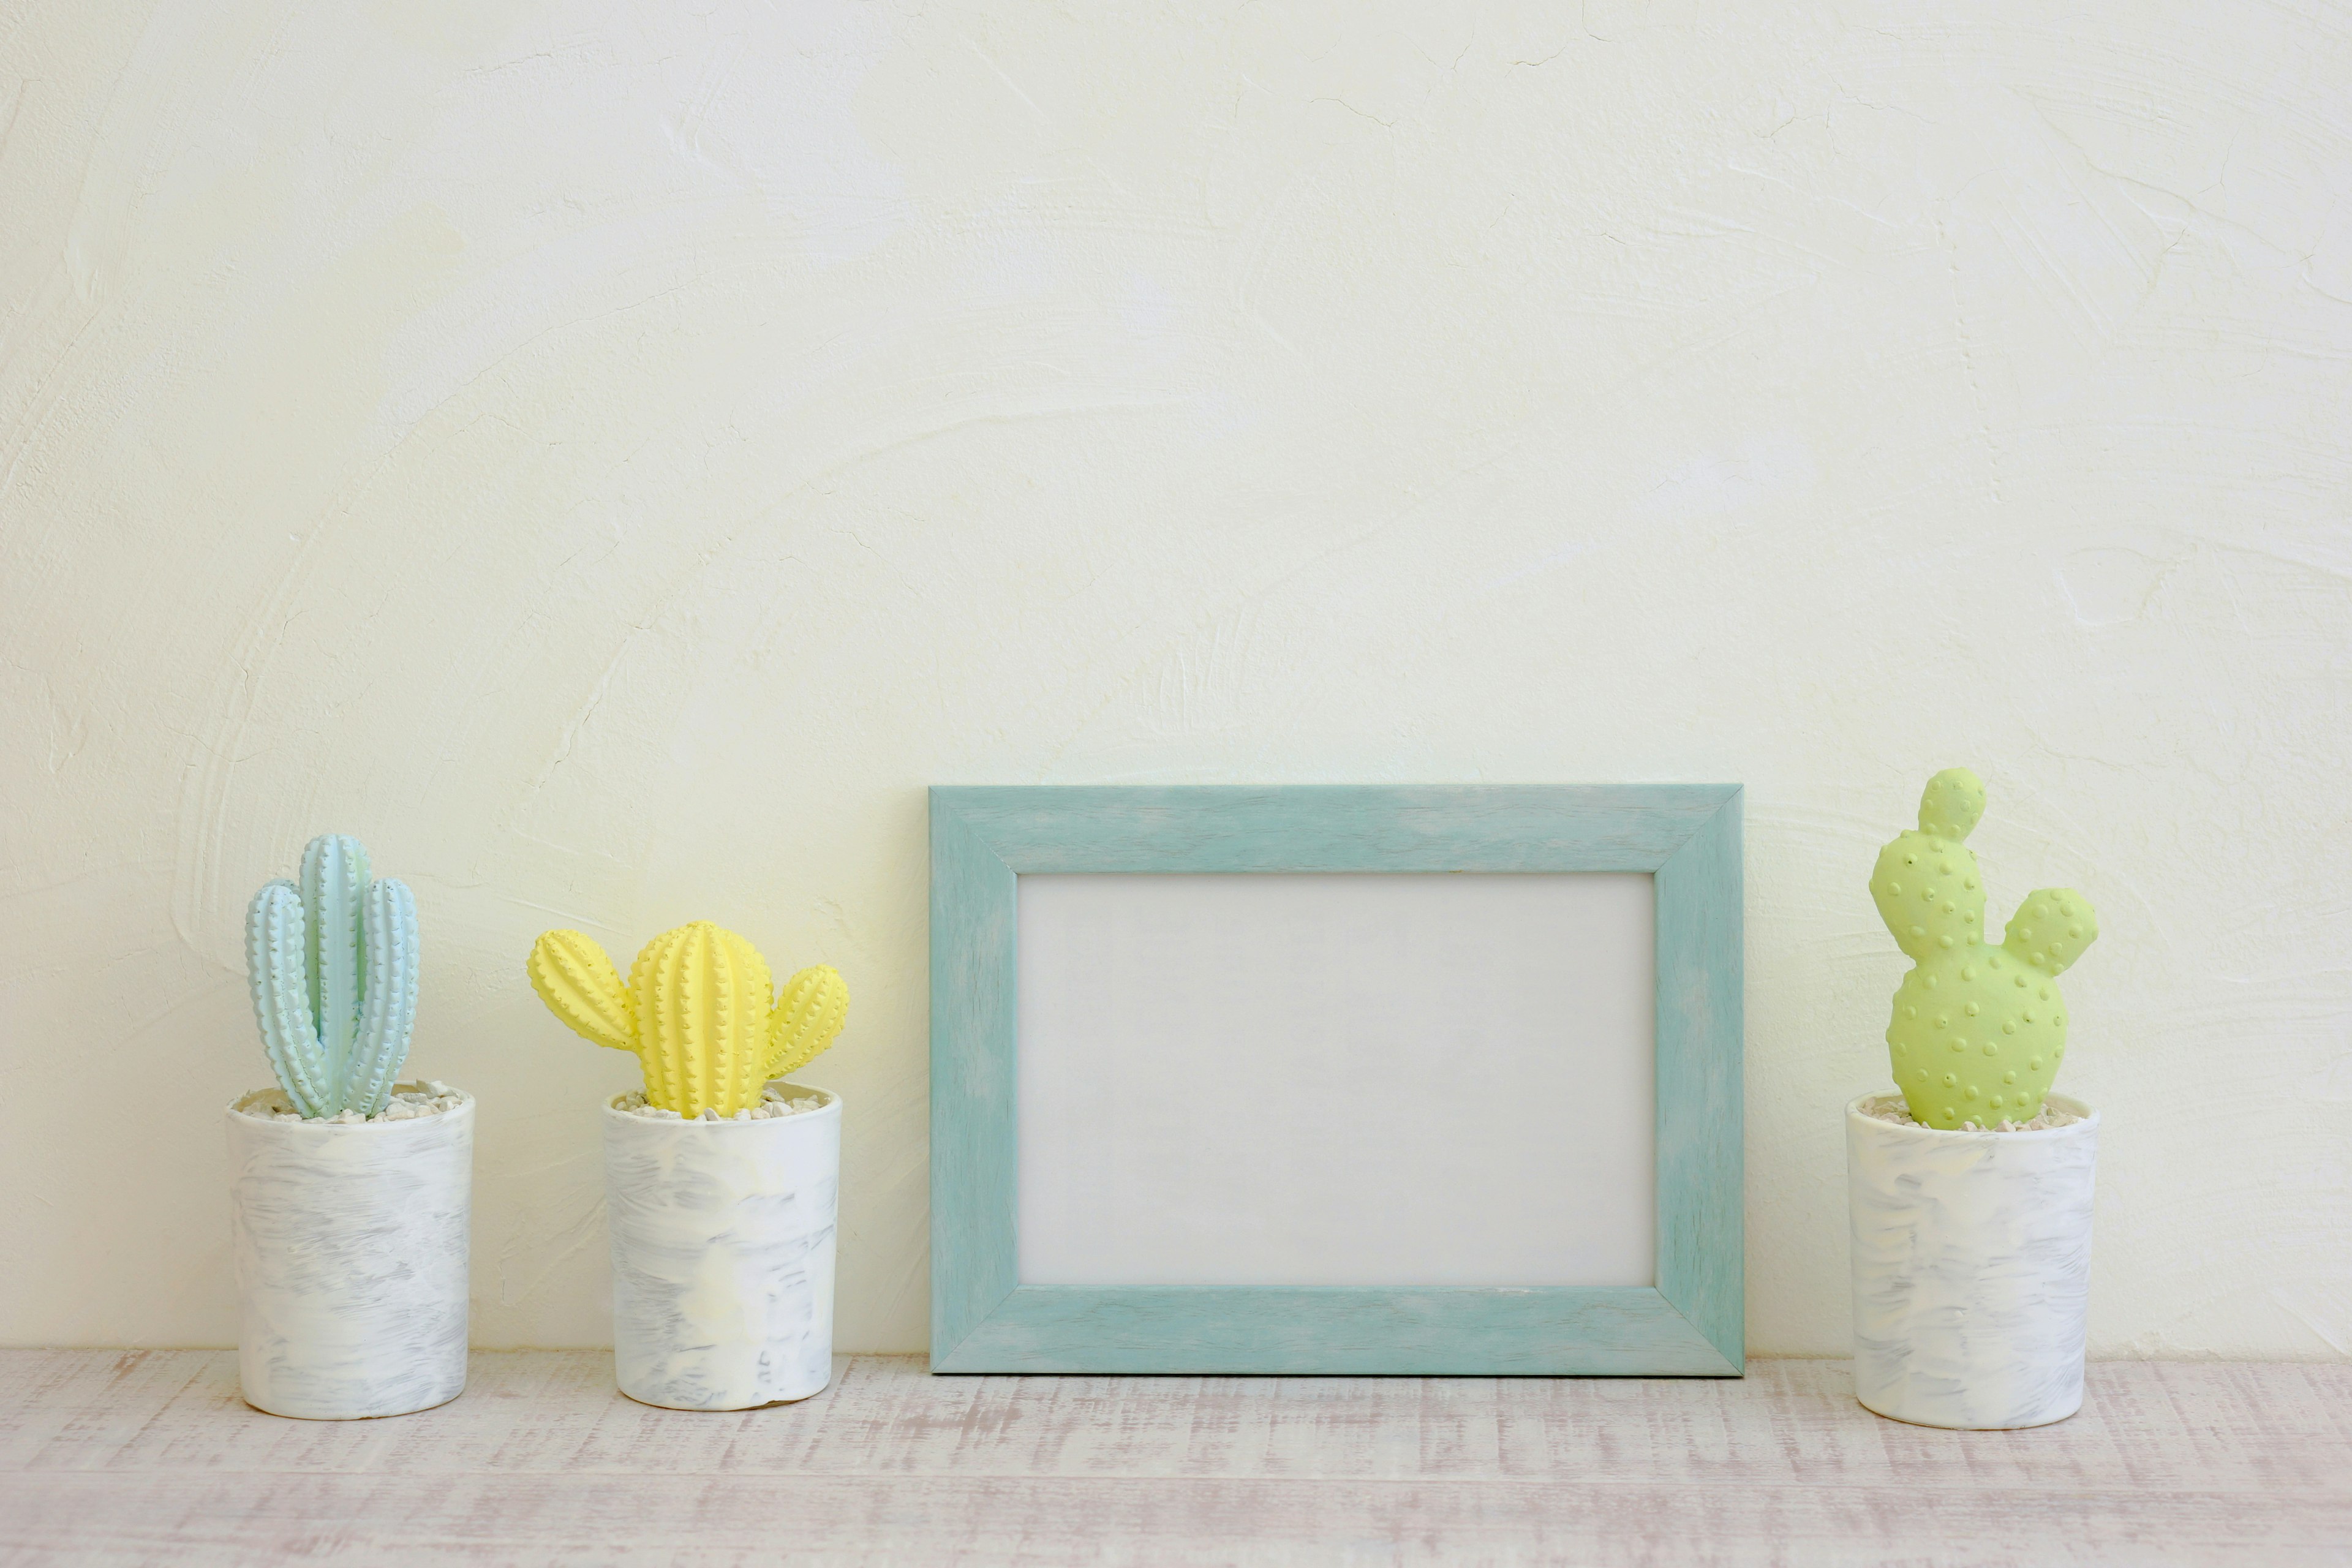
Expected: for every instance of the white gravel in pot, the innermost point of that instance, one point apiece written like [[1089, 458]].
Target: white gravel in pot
[[1892, 1108], [772, 1104], [428, 1099]]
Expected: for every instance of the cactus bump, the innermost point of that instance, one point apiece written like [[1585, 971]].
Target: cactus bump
[[1979, 1028], [332, 963], [697, 1009]]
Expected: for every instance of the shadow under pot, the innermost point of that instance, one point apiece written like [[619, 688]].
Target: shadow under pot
[[722, 1237], [349, 1241], [1971, 1257]]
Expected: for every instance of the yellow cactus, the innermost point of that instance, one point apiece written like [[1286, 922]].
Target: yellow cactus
[[697, 1009]]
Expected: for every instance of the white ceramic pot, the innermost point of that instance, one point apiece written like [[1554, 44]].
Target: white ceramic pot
[[722, 1255], [1971, 1268], [351, 1244]]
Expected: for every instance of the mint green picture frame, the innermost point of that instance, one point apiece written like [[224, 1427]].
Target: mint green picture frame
[[1690, 1323]]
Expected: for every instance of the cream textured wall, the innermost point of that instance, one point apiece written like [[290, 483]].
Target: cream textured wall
[[612, 456]]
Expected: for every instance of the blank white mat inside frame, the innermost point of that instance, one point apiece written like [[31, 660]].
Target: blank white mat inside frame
[[1395, 1079]]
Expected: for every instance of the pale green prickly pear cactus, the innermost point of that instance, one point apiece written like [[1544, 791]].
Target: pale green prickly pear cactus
[[1979, 1030]]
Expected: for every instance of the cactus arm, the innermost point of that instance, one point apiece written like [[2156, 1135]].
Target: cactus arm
[[334, 881], [1930, 893], [2051, 928], [1926, 884], [808, 1015], [388, 1010], [582, 988], [277, 966], [1951, 803]]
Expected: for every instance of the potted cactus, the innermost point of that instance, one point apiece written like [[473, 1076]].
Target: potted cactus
[[351, 1191], [1970, 1187], [720, 1180]]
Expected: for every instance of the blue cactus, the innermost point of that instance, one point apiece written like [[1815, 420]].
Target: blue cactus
[[332, 963]]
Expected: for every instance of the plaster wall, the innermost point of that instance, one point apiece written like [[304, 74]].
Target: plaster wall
[[612, 456]]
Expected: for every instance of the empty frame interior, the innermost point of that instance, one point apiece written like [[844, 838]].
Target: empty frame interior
[[1343, 1078]]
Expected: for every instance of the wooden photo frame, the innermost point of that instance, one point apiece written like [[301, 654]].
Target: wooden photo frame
[[1157, 1245]]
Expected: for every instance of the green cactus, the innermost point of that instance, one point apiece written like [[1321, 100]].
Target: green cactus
[[332, 963], [1979, 1030]]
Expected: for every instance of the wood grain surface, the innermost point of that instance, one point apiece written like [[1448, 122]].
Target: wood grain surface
[[112, 1457]]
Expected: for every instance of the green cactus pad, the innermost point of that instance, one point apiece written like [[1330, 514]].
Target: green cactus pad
[[1979, 1029]]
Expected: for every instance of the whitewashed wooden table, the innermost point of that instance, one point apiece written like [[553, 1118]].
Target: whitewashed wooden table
[[112, 1457]]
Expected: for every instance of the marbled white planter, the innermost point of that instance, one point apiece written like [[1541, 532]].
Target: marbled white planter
[[722, 1255], [351, 1244], [1971, 1268]]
